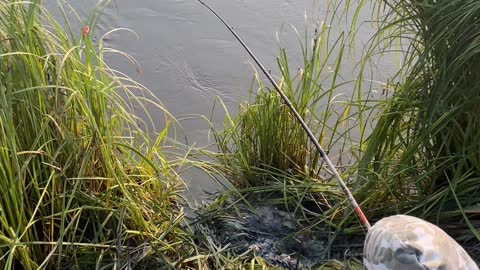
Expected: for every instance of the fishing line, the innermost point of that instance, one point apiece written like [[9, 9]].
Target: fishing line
[[342, 184]]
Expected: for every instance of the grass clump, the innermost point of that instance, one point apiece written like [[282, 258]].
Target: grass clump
[[266, 138], [81, 184], [267, 156], [264, 150], [425, 147], [421, 155]]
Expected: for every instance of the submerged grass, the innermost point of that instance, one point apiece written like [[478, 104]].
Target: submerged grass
[[81, 184]]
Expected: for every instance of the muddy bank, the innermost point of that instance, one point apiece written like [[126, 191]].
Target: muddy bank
[[274, 235]]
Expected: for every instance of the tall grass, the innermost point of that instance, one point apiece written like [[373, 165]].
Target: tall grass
[[265, 136], [425, 147], [265, 148], [81, 184], [420, 156]]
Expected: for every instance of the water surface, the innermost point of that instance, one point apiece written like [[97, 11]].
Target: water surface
[[188, 58]]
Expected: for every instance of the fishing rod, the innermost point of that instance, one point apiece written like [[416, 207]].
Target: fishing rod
[[319, 148]]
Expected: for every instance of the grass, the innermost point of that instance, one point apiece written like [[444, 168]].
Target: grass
[[426, 142], [265, 136], [264, 146], [421, 153], [267, 156], [83, 183], [86, 183]]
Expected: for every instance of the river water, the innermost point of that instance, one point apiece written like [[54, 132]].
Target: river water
[[188, 58]]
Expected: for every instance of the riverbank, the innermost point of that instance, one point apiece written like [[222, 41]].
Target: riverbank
[[86, 183], [406, 146]]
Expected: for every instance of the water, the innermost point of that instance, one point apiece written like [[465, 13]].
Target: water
[[188, 58]]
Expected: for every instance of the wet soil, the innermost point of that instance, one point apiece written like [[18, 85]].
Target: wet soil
[[277, 237]]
